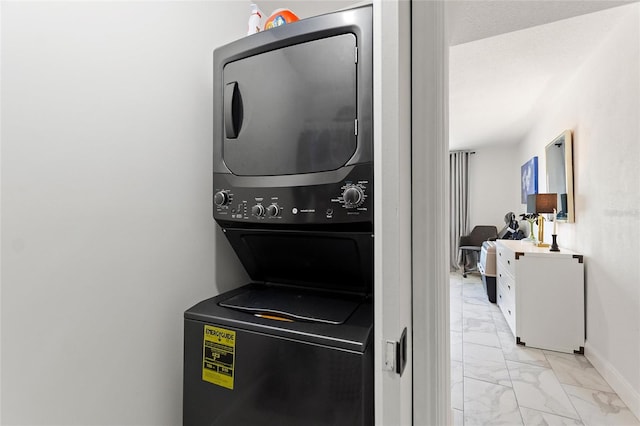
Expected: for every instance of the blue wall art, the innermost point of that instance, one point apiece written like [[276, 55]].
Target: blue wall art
[[528, 179]]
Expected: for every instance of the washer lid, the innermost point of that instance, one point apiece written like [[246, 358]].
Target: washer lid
[[295, 304], [340, 261]]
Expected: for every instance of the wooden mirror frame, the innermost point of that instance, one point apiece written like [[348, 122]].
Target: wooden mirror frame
[[554, 164]]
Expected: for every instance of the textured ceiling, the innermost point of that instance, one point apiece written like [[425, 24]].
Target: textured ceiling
[[498, 85], [477, 19]]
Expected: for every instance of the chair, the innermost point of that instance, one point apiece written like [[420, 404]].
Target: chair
[[472, 243]]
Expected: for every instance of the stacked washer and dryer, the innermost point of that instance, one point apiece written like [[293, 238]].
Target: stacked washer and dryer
[[293, 194]]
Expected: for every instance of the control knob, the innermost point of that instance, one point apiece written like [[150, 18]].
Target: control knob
[[273, 210], [353, 196], [221, 198], [258, 210]]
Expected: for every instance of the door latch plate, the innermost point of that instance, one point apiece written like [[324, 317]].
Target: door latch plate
[[395, 357]]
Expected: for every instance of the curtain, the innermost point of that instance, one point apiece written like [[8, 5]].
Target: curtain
[[458, 203]]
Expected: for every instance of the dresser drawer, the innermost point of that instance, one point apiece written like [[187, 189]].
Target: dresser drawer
[[506, 258], [507, 305], [508, 283]]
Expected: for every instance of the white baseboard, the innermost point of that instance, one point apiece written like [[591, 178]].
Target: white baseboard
[[629, 395]]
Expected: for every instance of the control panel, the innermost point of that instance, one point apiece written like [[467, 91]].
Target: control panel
[[350, 200]]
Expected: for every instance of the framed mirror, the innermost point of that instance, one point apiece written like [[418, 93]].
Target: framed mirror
[[559, 159]]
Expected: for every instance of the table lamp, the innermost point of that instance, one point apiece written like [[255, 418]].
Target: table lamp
[[541, 203]]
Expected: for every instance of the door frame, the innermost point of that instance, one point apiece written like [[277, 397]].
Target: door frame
[[411, 210], [430, 207], [392, 206]]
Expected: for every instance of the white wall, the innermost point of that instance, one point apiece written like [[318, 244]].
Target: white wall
[[601, 104], [107, 231], [493, 191], [303, 8]]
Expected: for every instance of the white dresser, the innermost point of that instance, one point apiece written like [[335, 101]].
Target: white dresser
[[541, 294]]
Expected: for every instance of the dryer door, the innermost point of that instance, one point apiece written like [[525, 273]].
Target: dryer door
[[291, 110]]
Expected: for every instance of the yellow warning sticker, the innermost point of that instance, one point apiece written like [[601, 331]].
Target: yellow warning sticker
[[218, 356]]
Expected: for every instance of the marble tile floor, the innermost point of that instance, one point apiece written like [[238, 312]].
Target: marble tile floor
[[496, 382]]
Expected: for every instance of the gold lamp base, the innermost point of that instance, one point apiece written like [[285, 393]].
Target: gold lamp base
[[541, 242]]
